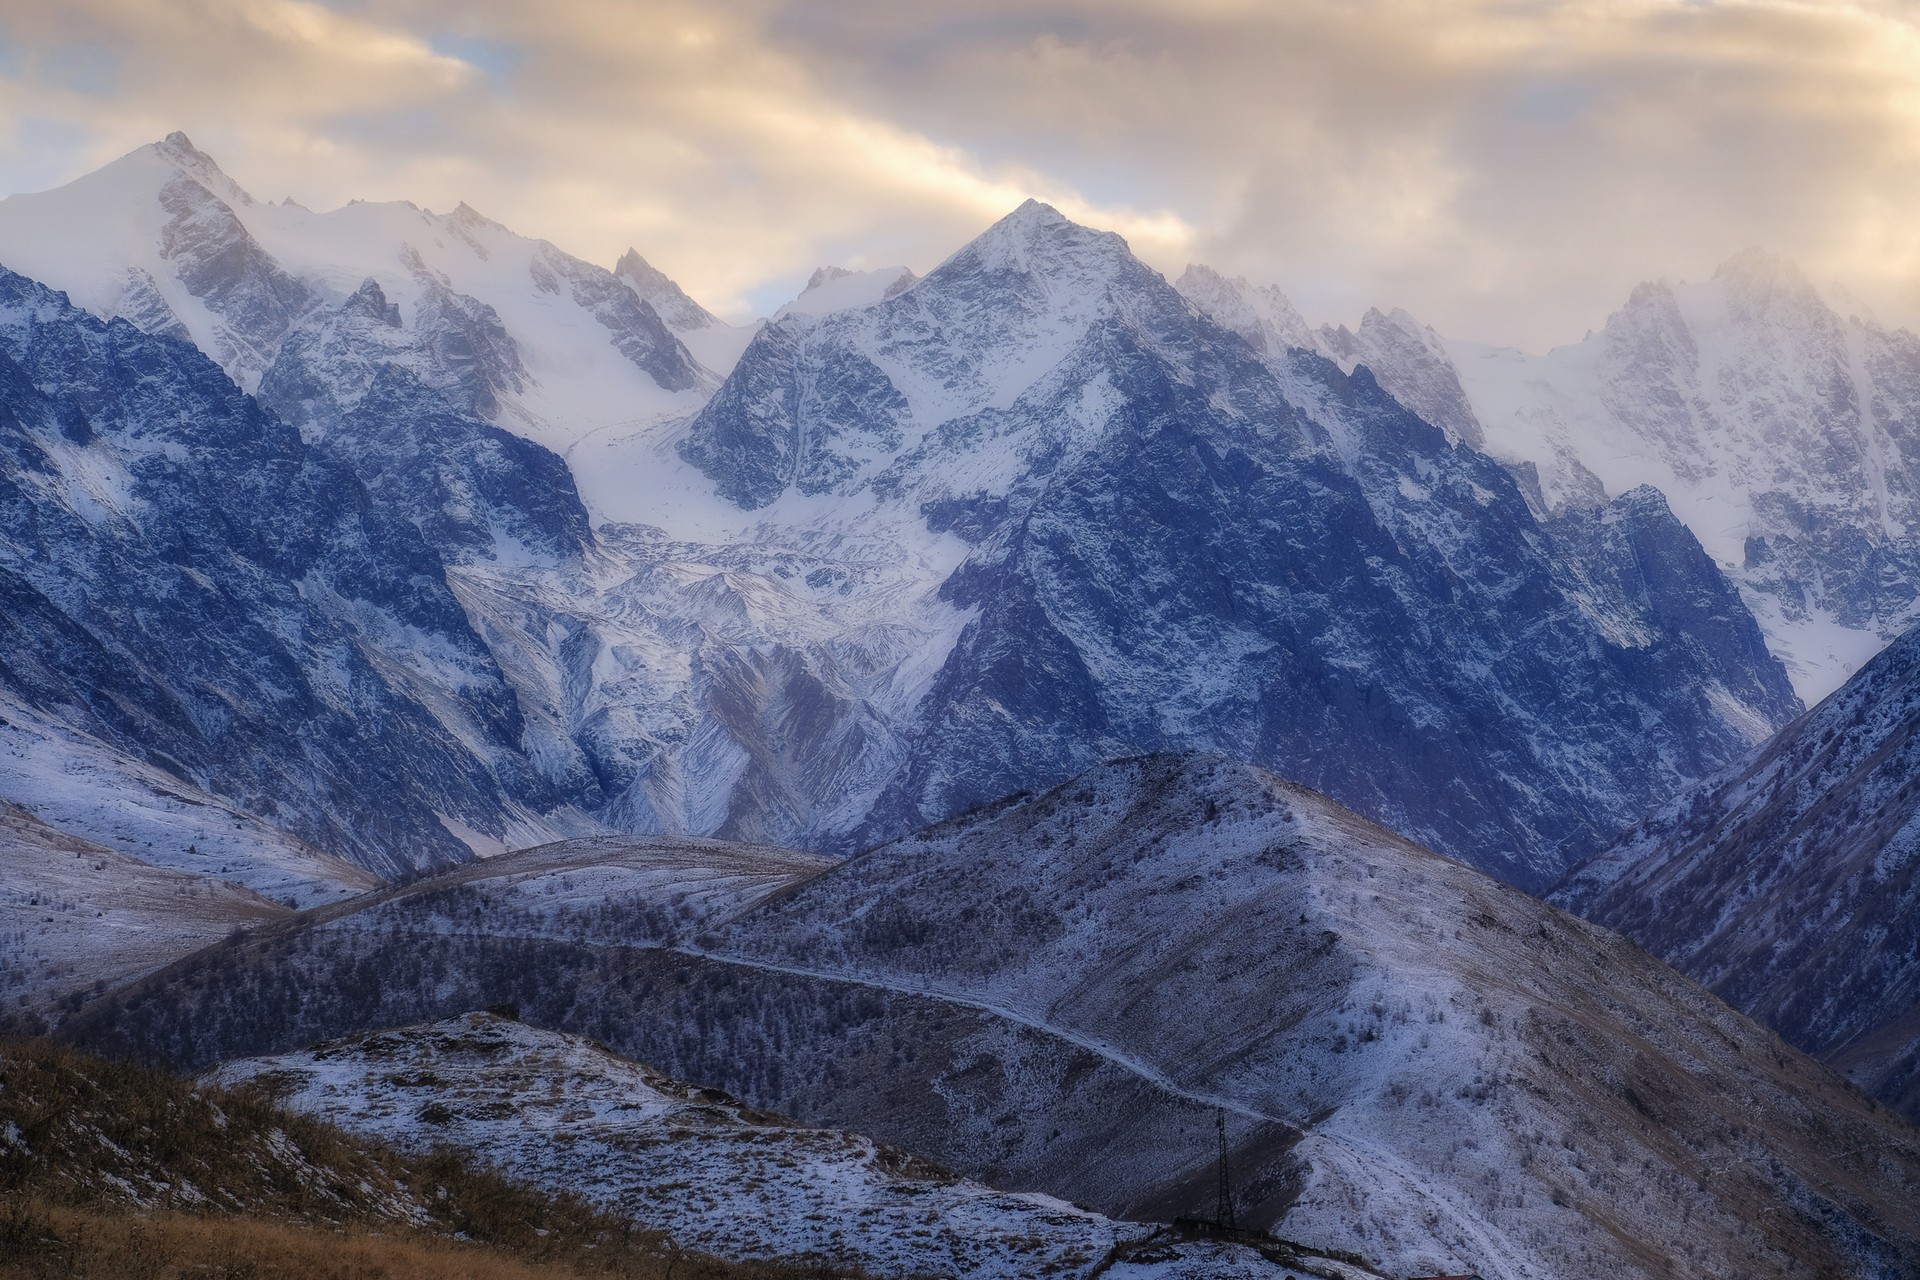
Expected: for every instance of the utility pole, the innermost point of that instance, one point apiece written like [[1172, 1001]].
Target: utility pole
[[1223, 1212]]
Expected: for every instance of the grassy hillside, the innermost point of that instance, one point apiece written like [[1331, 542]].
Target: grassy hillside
[[110, 1170]]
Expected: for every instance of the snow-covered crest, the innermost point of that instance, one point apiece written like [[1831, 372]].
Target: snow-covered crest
[[167, 239]]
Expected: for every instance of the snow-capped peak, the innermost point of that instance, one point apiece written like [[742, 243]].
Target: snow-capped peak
[[1261, 314], [466, 216], [549, 346], [178, 150], [831, 289], [714, 343], [1407, 358], [370, 300], [1648, 294], [681, 312], [1038, 240]]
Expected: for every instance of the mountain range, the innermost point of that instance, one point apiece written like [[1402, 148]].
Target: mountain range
[[1780, 431], [1034, 715], [890, 562]]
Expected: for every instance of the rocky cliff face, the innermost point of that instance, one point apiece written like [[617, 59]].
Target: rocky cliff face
[[1174, 543], [191, 583], [1788, 885]]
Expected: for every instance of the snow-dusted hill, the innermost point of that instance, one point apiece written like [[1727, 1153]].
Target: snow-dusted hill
[[74, 914], [1418, 1065], [1476, 1077], [1789, 886], [569, 1117], [90, 791]]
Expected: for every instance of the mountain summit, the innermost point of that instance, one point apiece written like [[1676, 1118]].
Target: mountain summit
[[527, 337], [1171, 542]]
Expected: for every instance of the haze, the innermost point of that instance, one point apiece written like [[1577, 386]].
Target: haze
[[1506, 170]]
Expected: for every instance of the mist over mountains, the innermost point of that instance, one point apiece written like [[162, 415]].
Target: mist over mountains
[[1011, 712], [892, 567]]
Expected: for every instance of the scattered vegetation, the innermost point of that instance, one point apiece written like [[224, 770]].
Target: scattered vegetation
[[110, 1170]]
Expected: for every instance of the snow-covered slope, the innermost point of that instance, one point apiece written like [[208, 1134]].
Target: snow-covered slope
[[1417, 1065], [1791, 885], [558, 890], [534, 339], [569, 1117], [106, 797], [1412, 362], [758, 689], [74, 913]]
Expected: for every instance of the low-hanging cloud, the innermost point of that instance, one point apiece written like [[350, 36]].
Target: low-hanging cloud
[[1505, 169]]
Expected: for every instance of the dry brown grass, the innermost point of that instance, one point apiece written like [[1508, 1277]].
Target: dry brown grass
[[112, 1171], [41, 1241]]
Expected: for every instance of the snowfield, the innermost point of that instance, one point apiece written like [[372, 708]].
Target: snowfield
[[75, 915]]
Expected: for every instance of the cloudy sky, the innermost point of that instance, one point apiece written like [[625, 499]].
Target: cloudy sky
[[1506, 169]]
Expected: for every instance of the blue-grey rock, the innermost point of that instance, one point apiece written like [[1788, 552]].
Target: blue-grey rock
[[190, 582], [1790, 884], [1267, 559]]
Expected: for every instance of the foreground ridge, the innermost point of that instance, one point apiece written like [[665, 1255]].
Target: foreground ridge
[[1418, 1065]]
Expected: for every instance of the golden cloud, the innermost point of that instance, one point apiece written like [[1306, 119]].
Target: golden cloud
[[1503, 168]]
